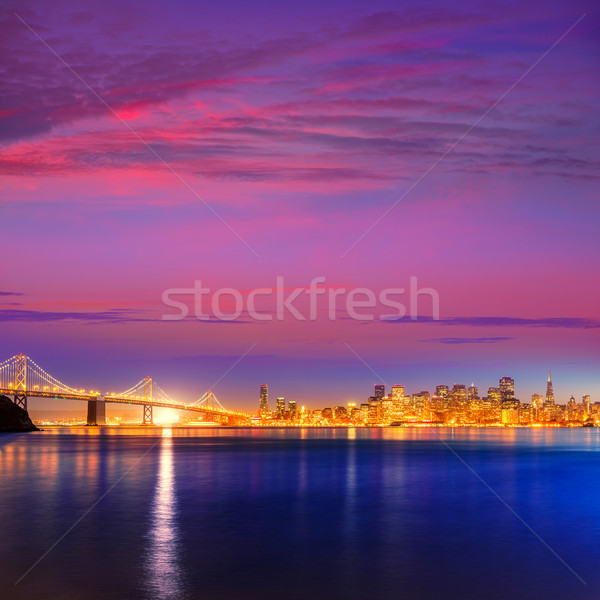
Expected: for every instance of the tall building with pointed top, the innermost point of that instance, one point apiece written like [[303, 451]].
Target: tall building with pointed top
[[549, 392], [473, 392]]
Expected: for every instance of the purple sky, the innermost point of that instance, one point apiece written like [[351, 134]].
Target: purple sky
[[300, 127]]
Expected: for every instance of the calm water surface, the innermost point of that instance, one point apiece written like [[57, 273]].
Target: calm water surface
[[321, 513]]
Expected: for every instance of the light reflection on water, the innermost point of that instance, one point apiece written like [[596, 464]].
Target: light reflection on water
[[164, 571]]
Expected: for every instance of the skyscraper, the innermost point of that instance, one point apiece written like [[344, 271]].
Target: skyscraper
[[473, 392], [280, 407], [442, 391], [586, 403], [507, 388], [264, 400], [421, 401], [459, 393], [374, 415], [397, 398], [549, 392], [397, 392], [293, 409], [379, 391], [537, 401]]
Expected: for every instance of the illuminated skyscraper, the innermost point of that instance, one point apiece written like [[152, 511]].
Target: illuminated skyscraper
[[421, 401], [374, 415], [293, 410], [379, 391], [397, 398], [264, 400], [549, 392], [459, 393], [397, 392], [473, 392], [537, 401], [387, 410], [586, 403], [280, 408], [364, 412], [442, 391], [507, 388]]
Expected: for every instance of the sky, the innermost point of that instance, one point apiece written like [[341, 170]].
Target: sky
[[145, 149]]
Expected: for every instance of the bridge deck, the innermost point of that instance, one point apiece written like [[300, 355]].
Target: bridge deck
[[114, 400], [43, 394], [160, 404]]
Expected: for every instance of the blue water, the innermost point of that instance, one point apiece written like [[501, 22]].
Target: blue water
[[322, 513]]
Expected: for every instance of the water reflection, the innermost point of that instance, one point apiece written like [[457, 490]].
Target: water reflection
[[164, 571]]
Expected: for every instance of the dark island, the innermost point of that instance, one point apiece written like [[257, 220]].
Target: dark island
[[13, 418]]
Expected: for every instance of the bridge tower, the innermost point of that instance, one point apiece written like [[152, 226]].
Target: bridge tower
[[210, 399], [96, 411], [147, 401], [21, 380]]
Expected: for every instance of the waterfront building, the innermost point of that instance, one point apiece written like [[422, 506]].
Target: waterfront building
[[397, 397], [293, 410], [340, 413], [374, 414], [585, 401], [280, 408], [264, 401]]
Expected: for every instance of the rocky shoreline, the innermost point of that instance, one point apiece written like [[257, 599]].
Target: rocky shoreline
[[13, 418]]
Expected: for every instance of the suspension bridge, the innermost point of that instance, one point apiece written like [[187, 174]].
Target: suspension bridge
[[22, 378]]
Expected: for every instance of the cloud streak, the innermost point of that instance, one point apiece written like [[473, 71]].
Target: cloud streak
[[475, 340], [550, 322]]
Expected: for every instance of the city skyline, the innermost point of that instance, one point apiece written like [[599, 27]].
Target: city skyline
[[35, 378], [472, 391], [458, 406]]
